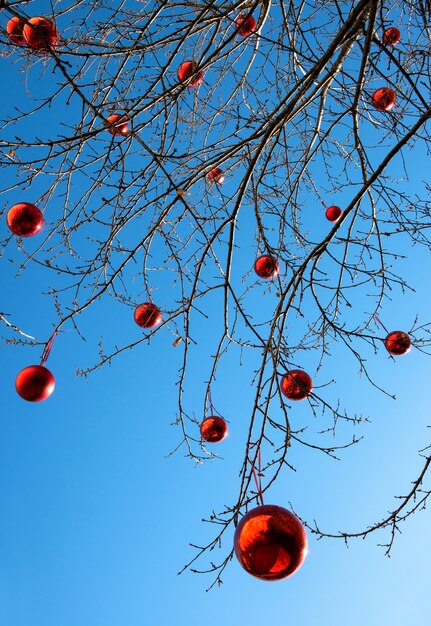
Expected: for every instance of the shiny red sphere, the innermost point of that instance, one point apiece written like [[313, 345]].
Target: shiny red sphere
[[147, 315], [270, 542], [216, 176], [14, 29], [266, 266], [41, 33], [118, 125], [333, 213], [35, 383], [246, 25], [214, 429], [186, 70], [383, 99], [296, 385], [398, 343], [391, 36], [24, 219]]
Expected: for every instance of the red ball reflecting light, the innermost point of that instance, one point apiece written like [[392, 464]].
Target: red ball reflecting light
[[186, 70], [24, 219], [35, 383], [118, 125], [147, 315], [216, 176], [14, 29], [333, 213], [246, 25], [296, 385], [41, 33], [270, 542], [266, 266], [391, 37], [214, 429], [384, 99], [398, 343]]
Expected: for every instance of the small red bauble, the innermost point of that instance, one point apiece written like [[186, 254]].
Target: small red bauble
[[384, 99], [398, 343], [35, 383], [147, 315], [270, 542], [186, 70], [266, 266], [333, 213], [214, 429], [118, 125], [391, 37], [41, 33], [14, 29], [246, 25], [296, 385], [216, 176], [24, 219]]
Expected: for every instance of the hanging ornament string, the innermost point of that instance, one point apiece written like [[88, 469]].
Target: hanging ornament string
[[380, 322], [257, 475], [48, 348]]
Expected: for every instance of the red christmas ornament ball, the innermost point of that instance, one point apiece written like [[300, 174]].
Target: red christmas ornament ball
[[118, 125], [24, 219], [270, 542], [296, 385], [41, 33], [14, 29], [214, 429], [186, 70], [391, 36], [333, 213], [246, 25], [384, 99], [216, 176], [35, 383], [398, 343], [266, 266], [147, 315]]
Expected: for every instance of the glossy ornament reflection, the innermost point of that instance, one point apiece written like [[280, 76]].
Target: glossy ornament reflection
[[118, 125], [391, 36], [35, 383], [296, 385], [24, 219], [216, 176], [214, 429], [246, 25], [266, 267], [14, 29], [333, 213], [41, 34], [147, 315], [270, 542], [398, 343], [187, 69], [384, 99]]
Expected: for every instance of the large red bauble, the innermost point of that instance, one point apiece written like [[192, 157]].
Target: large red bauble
[[186, 70], [216, 176], [246, 25], [391, 36], [398, 343], [118, 125], [214, 429], [147, 315], [266, 266], [384, 99], [35, 383], [14, 29], [24, 219], [270, 542], [41, 33], [333, 213], [296, 385]]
